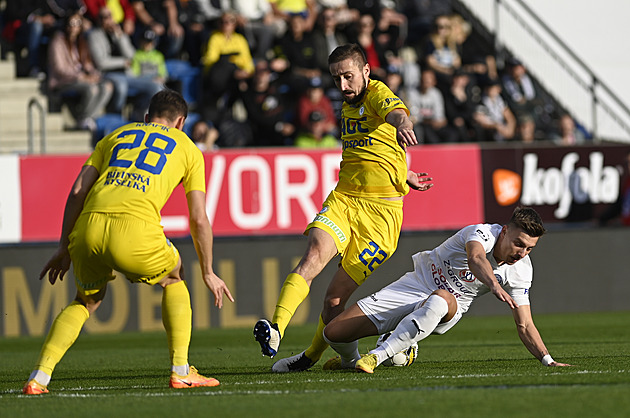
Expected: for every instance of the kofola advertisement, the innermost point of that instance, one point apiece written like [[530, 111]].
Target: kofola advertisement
[[565, 185]]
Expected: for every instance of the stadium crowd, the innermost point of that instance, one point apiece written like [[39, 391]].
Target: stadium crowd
[[255, 72]]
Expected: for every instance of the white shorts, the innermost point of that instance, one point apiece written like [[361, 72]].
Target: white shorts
[[387, 307]]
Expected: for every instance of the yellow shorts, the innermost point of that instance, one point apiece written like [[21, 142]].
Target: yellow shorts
[[100, 243], [365, 230]]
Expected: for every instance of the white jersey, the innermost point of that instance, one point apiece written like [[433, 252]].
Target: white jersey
[[446, 267]]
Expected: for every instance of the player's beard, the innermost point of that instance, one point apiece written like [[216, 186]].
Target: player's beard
[[357, 98]]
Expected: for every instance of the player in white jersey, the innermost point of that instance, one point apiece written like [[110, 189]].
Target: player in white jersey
[[445, 281]]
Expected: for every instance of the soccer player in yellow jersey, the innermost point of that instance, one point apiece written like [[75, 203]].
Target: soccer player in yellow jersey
[[112, 222], [362, 217]]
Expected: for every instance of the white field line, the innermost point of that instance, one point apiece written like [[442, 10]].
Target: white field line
[[75, 392]]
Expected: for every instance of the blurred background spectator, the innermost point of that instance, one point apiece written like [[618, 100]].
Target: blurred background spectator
[[315, 134], [440, 52], [205, 136], [122, 13], [526, 99], [227, 62], [495, 119], [459, 104], [568, 133], [314, 99], [426, 108], [113, 52], [162, 17], [269, 109], [72, 74]]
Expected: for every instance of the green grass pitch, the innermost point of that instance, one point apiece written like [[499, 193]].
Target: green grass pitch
[[479, 368]]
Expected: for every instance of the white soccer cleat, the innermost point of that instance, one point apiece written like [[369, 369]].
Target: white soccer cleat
[[268, 337], [296, 363]]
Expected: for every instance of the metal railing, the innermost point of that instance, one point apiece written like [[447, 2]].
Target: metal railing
[[42, 126], [558, 68]]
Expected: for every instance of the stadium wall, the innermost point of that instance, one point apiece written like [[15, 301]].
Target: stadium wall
[[575, 270]]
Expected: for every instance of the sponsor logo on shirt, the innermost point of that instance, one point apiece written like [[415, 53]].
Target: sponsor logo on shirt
[[124, 179], [482, 235]]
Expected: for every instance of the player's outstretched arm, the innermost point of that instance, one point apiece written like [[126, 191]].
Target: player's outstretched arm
[[201, 232], [404, 127], [419, 181], [59, 263], [481, 268], [529, 335]]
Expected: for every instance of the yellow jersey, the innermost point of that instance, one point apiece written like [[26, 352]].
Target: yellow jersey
[[139, 165], [373, 163]]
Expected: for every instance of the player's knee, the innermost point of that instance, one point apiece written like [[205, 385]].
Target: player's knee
[[450, 301]]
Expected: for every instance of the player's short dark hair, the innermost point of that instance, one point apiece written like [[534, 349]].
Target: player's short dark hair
[[167, 104], [346, 51], [528, 220]]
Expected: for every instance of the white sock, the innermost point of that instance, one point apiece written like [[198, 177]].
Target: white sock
[[41, 377], [414, 327], [181, 370], [349, 352]]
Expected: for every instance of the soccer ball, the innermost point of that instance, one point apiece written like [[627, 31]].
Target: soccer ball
[[402, 358]]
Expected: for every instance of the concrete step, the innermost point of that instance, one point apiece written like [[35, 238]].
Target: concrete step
[[7, 70], [19, 123], [67, 142]]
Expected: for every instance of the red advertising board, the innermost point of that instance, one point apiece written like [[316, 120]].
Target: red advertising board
[[268, 191]]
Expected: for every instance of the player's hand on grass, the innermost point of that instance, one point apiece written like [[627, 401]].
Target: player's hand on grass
[[57, 266], [556, 364], [218, 288], [419, 181]]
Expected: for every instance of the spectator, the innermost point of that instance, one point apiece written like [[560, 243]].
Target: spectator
[[298, 48], [493, 116], [256, 19], [205, 136], [268, 109], [440, 52], [27, 25], [162, 18], [460, 106], [227, 62], [568, 134], [343, 14], [122, 13], [314, 133], [200, 18], [113, 52], [426, 108], [421, 15], [525, 98], [366, 37], [71, 72], [148, 62], [327, 37], [285, 9], [473, 49], [315, 99]]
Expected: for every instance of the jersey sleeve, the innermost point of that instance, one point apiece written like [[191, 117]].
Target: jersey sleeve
[[96, 158], [519, 280], [386, 101], [194, 177], [482, 234]]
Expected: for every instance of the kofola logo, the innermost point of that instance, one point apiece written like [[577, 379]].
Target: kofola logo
[[507, 186], [562, 186]]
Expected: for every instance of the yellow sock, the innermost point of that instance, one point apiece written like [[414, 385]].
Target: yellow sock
[[63, 333], [318, 345], [293, 292], [177, 320]]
